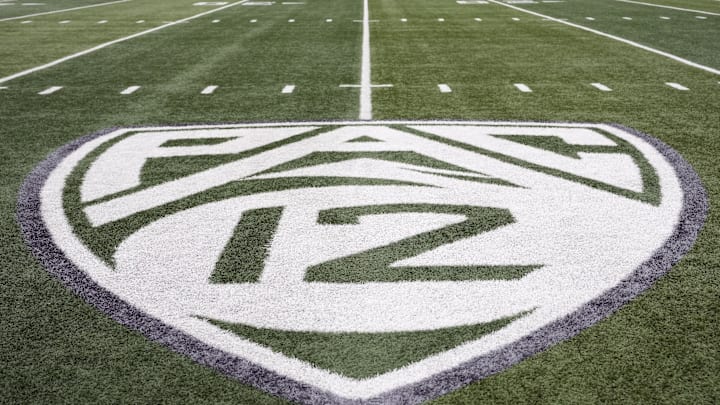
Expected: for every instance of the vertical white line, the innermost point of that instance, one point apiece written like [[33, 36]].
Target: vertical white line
[[365, 89]]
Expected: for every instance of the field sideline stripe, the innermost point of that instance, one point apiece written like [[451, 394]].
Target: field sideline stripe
[[64, 10], [606, 35], [670, 7], [113, 42]]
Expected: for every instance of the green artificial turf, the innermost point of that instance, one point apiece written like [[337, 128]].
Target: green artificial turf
[[661, 348], [363, 355]]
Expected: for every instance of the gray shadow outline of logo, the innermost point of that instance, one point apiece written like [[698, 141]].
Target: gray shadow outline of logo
[[38, 239]]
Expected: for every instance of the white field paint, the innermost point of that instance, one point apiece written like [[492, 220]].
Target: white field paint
[[669, 7], [113, 42], [328, 20], [590, 18], [699, 17], [209, 90], [441, 19], [627, 18], [444, 88], [601, 86], [163, 268], [664, 18], [253, 21], [478, 19], [288, 89], [677, 86], [50, 90], [613, 37], [130, 90], [515, 19], [523, 88], [102, 22], [215, 21], [403, 20], [64, 22], [139, 21], [63, 10], [365, 89], [291, 20], [26, 22]]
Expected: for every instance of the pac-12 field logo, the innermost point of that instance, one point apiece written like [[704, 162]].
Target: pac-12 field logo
[[383, 261]]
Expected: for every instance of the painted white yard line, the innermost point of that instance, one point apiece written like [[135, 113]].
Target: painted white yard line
[[677, 86], [50, 90], [291, 20], [700, 17], [669, 7], [215, 21], [365, 89], [102, 22], [288, 89], [130, 90], [110, 43], [209, 90], [26, 22], [63, 10], [664, 18], [613, 37], [590, 18], [444, 88], [65, 22], [523, 87], [601, 86], [515, 19], [478, 19], [627, 18], [139, 21]]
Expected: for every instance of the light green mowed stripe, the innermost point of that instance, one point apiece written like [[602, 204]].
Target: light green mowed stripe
[[174, 64], [23, 46], [482, 60], [673, 35], [17, 8]]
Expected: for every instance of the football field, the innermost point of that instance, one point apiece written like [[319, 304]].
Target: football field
[[314, 89]]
